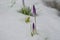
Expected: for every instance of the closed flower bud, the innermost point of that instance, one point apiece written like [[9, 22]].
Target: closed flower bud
[[34, 10], [33, 26]]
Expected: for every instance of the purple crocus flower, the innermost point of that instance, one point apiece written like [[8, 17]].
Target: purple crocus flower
[[34, 10], [33, 26]]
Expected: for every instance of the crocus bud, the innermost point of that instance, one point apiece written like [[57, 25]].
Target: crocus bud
[[34, 10], [33, 26], [34, 31]]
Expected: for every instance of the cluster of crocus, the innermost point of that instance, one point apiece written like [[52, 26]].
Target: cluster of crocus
[[34, 31], [27, 11]]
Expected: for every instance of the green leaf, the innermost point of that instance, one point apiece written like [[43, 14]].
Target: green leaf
[[27, 20], [25, 11]]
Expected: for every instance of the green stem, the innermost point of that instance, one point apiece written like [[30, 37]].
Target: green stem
[[35, 22]]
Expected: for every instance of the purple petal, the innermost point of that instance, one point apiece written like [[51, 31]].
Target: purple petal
[[33, 26], [34, 10]]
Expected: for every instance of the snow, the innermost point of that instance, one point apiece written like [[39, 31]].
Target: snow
[[13, 26]]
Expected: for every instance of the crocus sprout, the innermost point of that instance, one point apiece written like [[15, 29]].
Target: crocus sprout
[[34, 31], [27, 20], [25, 10]]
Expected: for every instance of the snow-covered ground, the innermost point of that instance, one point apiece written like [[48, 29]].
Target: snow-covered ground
[[13, 26]]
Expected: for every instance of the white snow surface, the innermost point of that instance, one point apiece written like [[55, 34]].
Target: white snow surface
[[13, 26]]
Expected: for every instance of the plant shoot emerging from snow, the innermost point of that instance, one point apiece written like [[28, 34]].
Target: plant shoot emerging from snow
[[34, 30]]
